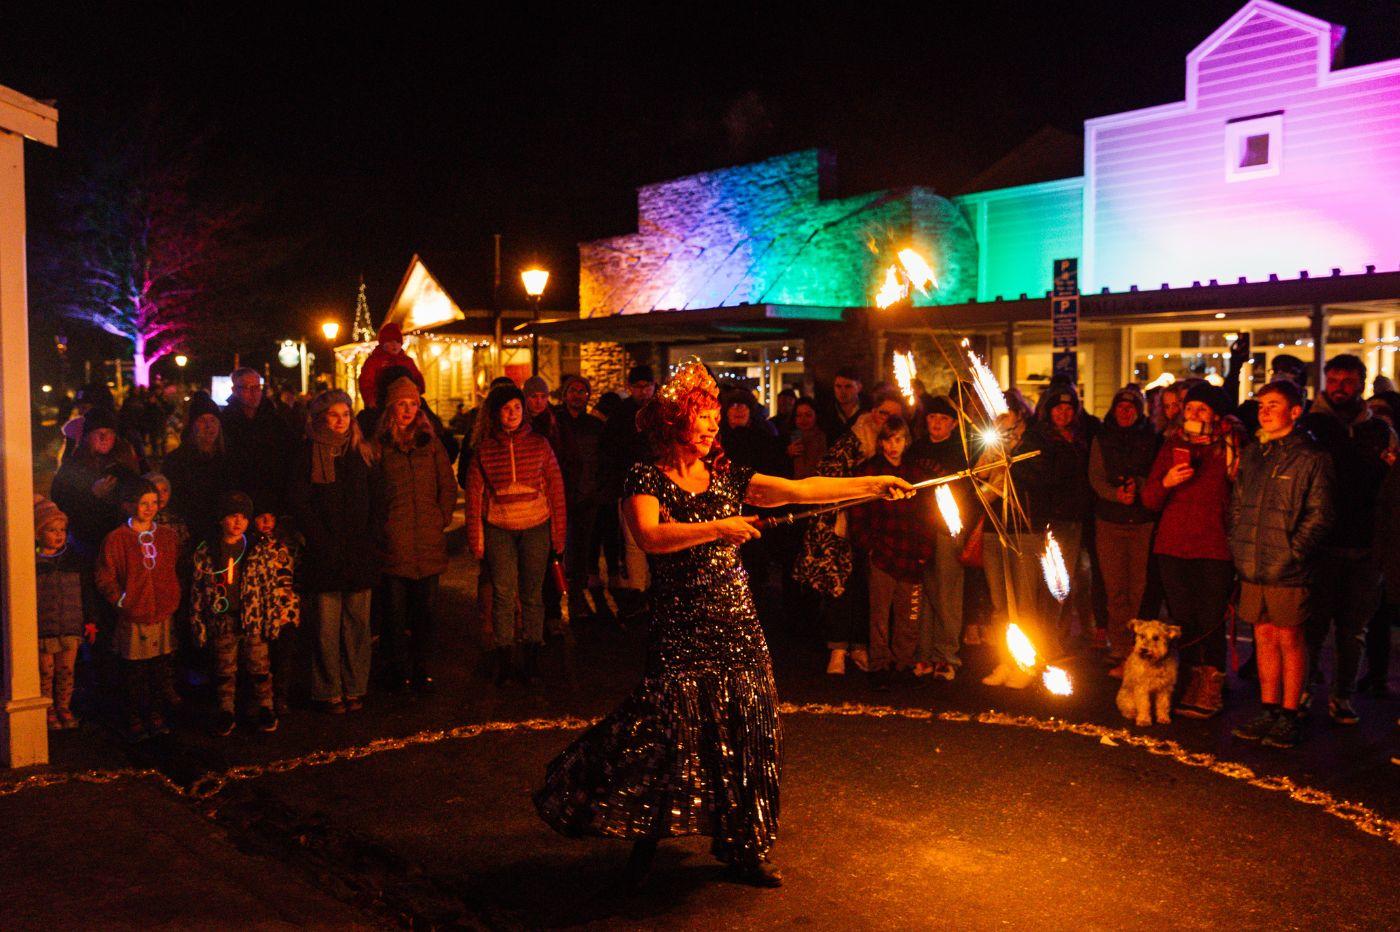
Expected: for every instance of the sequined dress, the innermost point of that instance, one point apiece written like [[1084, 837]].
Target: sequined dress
[[695, 749]]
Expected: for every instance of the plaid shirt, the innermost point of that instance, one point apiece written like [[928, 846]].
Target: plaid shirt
[[895, 534]]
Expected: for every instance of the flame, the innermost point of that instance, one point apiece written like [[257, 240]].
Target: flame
[[1052, 566], [917, 268], [985, 384], [891, 292], [1022, 650], [1057, 681], [948, 507], [905, 373]]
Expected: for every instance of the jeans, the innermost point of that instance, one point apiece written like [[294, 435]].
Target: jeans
[[1345, 596], [410, 621], [844, 620], [518, 560], [340, 667], [941, 607], [1198, 593], [894, 627], [1123, 554]]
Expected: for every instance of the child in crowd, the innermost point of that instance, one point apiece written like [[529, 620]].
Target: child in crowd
[[239, 598], [388, 353], [136, 575], [281, 554], [897, 538], [66, 604], [165, 517]]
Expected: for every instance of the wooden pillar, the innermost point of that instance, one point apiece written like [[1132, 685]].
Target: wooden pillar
[[1317, 332]]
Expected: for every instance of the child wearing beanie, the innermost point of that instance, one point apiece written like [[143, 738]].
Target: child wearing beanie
[[239, 598], [388, 353], [66, 606]]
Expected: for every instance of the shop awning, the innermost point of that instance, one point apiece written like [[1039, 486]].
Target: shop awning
[[717, 324]]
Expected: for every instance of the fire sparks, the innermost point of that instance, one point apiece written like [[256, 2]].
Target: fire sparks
[[1052, 566], [917, 269], [1022, 650], [985, 384], [948, 508], [905, 372], [892, 291], [1056, 681]]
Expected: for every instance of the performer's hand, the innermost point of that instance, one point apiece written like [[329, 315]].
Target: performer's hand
[[737, 530], [892, 488]]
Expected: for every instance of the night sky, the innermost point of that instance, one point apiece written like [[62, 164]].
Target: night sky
[[365, 136]]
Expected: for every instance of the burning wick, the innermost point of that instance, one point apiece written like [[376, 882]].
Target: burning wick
[[905, 373], [1057, 681], [948, 508], [1052, 566], [891, 291], [917, 268], [985, 384]]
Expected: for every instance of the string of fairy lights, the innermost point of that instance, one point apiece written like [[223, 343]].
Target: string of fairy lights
[[1357, 815]]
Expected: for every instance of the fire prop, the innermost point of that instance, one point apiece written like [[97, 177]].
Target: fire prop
[[918, 271], [1052, 567], [1054, 679], [905, 373], [984, 383], [948, 508]]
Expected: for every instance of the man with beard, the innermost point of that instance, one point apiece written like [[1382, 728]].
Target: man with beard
[[1348, 588]]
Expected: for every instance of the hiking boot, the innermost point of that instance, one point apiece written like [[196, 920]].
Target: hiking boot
[[1257, 729], [1287, 731], [1190, 701], [1210, 694], [1341, 711], [223, 725], [859, 657], [267, 720], [944, 671], [836, 664]]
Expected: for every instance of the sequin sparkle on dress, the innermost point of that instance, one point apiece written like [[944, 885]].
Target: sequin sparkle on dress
[[695, 749]]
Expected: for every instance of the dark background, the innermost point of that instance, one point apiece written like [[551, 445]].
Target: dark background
[[362, 136]]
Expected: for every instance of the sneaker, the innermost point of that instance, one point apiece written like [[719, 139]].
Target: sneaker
[[1257, 729], [224, 723], [267, 720], [1287, 731], [924, 669], [861, 659], [945, 671], [998, 676], [1341, 711], [836, 664]]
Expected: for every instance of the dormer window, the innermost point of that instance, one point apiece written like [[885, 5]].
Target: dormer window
[[1254, 147]]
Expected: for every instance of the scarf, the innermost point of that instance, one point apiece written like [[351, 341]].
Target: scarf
[[326, 445]]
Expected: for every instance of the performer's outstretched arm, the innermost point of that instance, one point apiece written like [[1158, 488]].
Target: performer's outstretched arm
[[771, 491], [643, 516]]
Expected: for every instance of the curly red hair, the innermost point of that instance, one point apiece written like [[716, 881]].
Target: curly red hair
[[667, 424]]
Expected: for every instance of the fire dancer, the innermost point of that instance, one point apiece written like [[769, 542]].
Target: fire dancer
[[694, 750]]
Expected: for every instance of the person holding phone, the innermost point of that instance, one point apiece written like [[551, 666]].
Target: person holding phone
[[1189, 486]]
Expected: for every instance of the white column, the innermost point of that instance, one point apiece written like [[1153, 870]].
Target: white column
[[25, 734]]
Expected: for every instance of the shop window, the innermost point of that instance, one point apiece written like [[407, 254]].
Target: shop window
[[1254, 147]]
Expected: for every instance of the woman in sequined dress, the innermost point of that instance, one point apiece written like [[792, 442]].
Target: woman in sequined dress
[[695, 749]]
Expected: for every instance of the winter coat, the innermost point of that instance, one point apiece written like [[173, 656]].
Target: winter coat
[[140, 594], [334, 518], [416, 494], [1354, 445], [264, 591], [1053, 486], [1193, 521], [1387, 540], [1281, 510], [66, 597], [91, 519], [1120, 454], [197, 482], [259, 450], [579, 452], [521, 458]]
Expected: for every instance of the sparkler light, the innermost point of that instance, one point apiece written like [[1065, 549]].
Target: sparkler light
[[1056, 681], [985, 384], [892, 291], [990, 436], [1052, 566], [917, 269], [905, 373], [948, 508], [1022, 650]]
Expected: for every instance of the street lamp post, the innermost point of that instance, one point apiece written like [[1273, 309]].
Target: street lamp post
[[535, 281], [331, 329]]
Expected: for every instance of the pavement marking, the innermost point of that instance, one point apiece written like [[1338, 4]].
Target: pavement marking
[[211, 784]]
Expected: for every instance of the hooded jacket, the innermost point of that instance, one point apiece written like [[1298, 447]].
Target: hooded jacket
[[1119, 454], [1281, 510]]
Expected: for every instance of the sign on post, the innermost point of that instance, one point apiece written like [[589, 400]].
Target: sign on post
[[1064, 317]]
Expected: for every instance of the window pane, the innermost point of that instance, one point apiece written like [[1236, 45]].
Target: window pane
[[1256, 151]]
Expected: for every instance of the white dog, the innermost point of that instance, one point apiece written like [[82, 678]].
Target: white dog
[[1149, 674]]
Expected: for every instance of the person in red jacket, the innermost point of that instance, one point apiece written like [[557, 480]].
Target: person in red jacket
[[136, 575], [1190, 486], [388, 353]]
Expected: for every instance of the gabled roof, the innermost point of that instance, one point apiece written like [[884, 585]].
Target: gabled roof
[[1269, 10], [1048, 155], [421, 301]]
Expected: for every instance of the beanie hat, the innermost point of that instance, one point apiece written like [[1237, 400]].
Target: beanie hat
[[536, 384], [45, 513], [640, 374], [263, 505], [1208, 394], [99, 418], [200, 405], [402, 387], [318, 405], [1131, 394], [1061, 396], [941, 404], [235, 503], [390, 333]]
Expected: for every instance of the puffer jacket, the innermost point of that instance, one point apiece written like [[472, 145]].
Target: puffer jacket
[[1281, 510], [416, 493], [66, 598]]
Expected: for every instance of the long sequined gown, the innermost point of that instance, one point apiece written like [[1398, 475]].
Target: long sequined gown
[[694, 750]]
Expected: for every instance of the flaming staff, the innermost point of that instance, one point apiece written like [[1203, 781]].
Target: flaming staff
[[948, 508], [1052, 567], [1023, 652], [905, 372]]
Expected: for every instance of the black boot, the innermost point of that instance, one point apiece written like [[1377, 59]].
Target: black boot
[[505, 669], [530, 674], [755, 872], [639, 864]]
